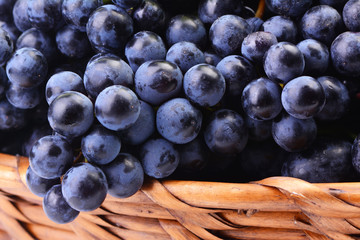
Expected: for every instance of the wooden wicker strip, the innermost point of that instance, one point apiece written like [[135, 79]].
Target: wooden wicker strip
[[273, 208]]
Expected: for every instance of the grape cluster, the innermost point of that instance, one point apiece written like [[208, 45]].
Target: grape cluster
[[99, 94]]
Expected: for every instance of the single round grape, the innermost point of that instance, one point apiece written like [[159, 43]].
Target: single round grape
[[283, 28], [38, 185], [117, 107], [303, 97], [45, 14], [288, 8], [27, 67], [6, 47], [210, 10], [100, 145], [11, 118], [351, 15], [149, 16], [35, 134], [178, 121], [72, 43], [127, 4], [256, 44], [124, 175], [84, 187], [21, 19], [56, 208], [226, 132], [23, 98], [159, 158], [71, 114], [204, 85], [51, 157], [293, 134]]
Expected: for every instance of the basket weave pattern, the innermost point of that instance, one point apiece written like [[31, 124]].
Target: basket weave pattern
[[273, 208]]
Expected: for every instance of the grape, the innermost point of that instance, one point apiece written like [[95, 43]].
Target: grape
[[351, 16], [27, 67], [226, 132], [204, 85], [124, 175], [72, 43], [35, 134], [178, 121], [185, 55], [11, 118], [100, 145], [127, 4], [227, 33], [186, 28], [56, 208], [45, 14], [144, 46], [77, 12], [255, 23], [117, 107], [157, 81], [38, 185], [21, 19], [283, 62], [283, 28], [258, 130], [293, 134], [6, 46], [24, 98], [149, 16], [288, 8], [61, 82], [193, 156], [51, 157], [103, 71], [71, 114], [256, 44], [159, 158], [210, 10], [11, 29], [84, 187], [303, 97], [261, 99]]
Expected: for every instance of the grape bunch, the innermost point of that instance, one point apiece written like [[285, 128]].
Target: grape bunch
[[100, 94]]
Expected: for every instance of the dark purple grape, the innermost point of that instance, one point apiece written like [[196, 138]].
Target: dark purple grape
[[255, 23], [256, 44], [71, 114], [124, 175], [72, 43], [61, 82], [193, 156], [109, 28], [21, 19], [38, 185], [210, 10], [149, 16], [6, 47], [226, 132], [45, 14], [159, 158], [283, 28], [51, 157], [23, 98], [204, 85], [84, 187], [103, 71], [100, 145], [351, 15], [144, 46], [227, 34], [11, 118], [178, 121], [127, 4], [117, 107], [293, 134], [157, 81], [258, 130], [56, 208], [289, 8], [27, 67]]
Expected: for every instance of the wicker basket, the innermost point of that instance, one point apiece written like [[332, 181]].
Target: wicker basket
[[274, 208]]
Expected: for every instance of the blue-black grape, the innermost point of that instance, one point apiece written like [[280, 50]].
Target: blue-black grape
[[185, 55], [327, 160], [142, 129], [127, 4], [144, 46], [157, 81], [35, 134], [100, 145], [38, 185], [322, 23], [45, 14], [344, 51], [289, 8], [256, 44], [24, 98], [210, 10], [51, 157], [258, 130], [293, 134], [84, 187], [303, 97], [6, 47], [227, 33], [56, 208], [72, 43], [109, 28], [282, 27], [255, 23], [193, 156], [159, 158], [337, 97], [283, 62], [125, 175], [71, 114], [117, 107], [178, 121], [27, 67], [149, 16], [226, 132], [351, 16], [11, 118], [21, 19], [261, 99], [61, 82], [77, 12], [204, 85], [103, 71]]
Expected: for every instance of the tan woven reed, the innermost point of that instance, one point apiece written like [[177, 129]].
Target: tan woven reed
[[275, 208]]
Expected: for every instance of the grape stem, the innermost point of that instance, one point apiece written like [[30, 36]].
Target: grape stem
[[260, 10]]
